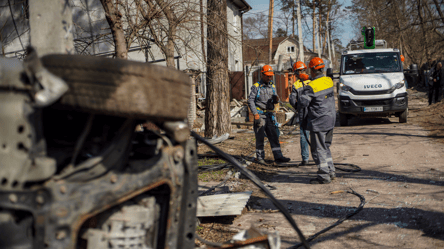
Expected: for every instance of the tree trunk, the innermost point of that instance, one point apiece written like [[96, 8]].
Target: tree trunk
[[420, 14], [169, 53], [326, 25], [293, 18], [202, 33], [114, 18], [320, 28], [314, 24], [217, 115]]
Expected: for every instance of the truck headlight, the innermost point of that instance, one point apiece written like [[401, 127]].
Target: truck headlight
[[344, 87], [400, 84]]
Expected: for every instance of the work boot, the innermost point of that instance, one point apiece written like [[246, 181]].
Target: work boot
[[319, 181], [282, 159], [303, 163], [261, 161]]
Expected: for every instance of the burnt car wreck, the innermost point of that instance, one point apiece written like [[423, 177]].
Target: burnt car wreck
[[75, 173]]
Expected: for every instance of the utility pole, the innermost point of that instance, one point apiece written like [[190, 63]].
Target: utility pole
[[314, 25], [333, 48], [328, 42], [270, 29], [51, 27], [317, 38], [301, 43], [292, 18]]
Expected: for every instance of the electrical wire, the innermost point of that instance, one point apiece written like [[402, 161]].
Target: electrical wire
[[15, 25], [341, 220], [213, 167], [258, 183]]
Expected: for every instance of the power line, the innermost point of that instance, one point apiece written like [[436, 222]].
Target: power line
[[15, 25]]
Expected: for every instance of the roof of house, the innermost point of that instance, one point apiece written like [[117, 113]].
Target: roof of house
[[258, 48], [242, 4]]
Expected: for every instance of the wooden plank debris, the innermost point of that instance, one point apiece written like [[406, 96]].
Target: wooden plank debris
[[223, 204]]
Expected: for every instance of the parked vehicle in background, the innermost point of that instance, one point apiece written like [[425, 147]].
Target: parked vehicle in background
[[371, 84]]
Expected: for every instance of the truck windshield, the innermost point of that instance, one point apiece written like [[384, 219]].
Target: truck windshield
[[371, 63]]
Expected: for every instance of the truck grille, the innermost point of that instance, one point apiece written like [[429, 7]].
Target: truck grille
[[372, 102], [378, 92]]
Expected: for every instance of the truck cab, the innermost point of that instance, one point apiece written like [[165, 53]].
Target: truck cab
[[371, 84]]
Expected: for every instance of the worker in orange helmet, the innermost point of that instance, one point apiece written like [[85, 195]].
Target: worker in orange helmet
[[318, 98], [261, 101], [299, 69]]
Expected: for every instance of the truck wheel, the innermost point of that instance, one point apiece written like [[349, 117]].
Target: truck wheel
[[403, 116], [121, 88], [343, 120]]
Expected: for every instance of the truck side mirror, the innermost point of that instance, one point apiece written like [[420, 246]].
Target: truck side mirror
[[331, 74]]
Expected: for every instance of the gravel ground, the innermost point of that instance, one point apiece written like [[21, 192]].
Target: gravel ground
[[402, 181]]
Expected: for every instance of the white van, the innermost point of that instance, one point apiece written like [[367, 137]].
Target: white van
[[371, 84]]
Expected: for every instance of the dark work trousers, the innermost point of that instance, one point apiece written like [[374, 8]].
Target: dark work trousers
[[434, 89], [267, 127], [320, 151]]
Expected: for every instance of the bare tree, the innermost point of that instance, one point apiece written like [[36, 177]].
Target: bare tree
[[415, 26], [114, 17], [254, 27], [217, 118]]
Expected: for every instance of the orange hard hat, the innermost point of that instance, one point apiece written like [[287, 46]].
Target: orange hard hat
[[299, 66], [316, 63], [267, 70], [402, 58]]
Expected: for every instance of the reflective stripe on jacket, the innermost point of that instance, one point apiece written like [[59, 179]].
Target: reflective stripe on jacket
[[266, 93], [296, 93], [318, 98]]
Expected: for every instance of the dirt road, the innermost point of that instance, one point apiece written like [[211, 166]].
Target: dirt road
[[402, 180]]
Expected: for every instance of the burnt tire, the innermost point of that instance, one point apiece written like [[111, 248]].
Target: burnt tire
[[403, 116], [121, 88]]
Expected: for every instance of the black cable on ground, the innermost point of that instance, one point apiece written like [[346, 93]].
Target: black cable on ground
[[218, 185], [213, 167], [355, 168], [360, 207], [258, 183]]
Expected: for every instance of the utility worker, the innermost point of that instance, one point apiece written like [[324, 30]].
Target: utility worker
[[302, 80], [261, 101], [318, 98]]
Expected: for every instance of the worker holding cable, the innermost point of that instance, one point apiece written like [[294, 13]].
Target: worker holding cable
[[318, 98], [261, 101], [302, 80]]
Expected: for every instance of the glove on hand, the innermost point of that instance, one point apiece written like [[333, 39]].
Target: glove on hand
[[257, 120]]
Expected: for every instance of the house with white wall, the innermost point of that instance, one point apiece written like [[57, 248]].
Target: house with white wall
[[256, 52], [92, 35]]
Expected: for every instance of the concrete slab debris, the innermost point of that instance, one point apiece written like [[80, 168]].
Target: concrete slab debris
[[222, 205]]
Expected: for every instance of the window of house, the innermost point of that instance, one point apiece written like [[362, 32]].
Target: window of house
[[290, 49]]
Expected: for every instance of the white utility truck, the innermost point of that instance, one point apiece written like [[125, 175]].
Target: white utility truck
[[372, 84]]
